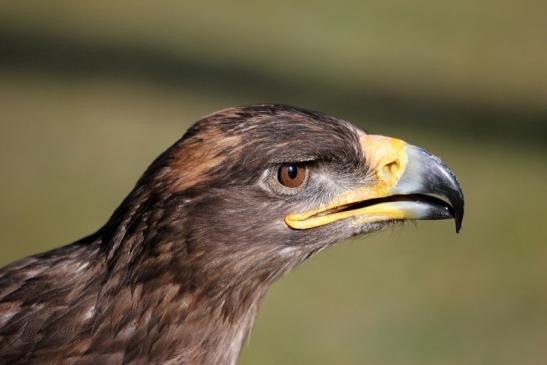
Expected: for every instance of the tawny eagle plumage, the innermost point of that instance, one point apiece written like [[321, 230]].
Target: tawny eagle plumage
[[177, 273]]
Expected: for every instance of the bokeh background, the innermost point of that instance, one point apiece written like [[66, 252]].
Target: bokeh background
[[91, 92]]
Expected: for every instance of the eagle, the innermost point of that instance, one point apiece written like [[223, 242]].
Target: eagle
[[177, 274]]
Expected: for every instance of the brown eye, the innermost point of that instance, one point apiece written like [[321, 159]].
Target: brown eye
[[292, 175]]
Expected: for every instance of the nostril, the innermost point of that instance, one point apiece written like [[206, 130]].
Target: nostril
[[391, 168]]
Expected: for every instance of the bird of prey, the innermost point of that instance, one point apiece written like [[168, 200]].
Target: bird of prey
[[176, 275]]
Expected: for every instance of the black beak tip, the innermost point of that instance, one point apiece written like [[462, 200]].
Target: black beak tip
[[456, 200], [458, 215], [458, 225], [455, 206]]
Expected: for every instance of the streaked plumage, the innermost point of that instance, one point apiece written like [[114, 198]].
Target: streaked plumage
[[177, 273]]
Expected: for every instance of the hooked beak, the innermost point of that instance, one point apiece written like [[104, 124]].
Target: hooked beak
[[410, 183]]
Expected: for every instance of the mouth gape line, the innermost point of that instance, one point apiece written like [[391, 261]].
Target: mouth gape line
[[416, 198]]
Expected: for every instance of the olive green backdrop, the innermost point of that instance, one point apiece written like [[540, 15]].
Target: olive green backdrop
[[91, 92]]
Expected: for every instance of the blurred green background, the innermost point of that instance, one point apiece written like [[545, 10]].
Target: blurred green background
[[91, 92]]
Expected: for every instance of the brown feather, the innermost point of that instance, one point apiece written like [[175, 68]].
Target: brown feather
[[177, 273]]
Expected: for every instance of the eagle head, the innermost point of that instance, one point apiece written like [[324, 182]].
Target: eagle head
[[259, 189]]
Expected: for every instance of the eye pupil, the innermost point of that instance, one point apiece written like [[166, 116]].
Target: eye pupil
[[292, 171]]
